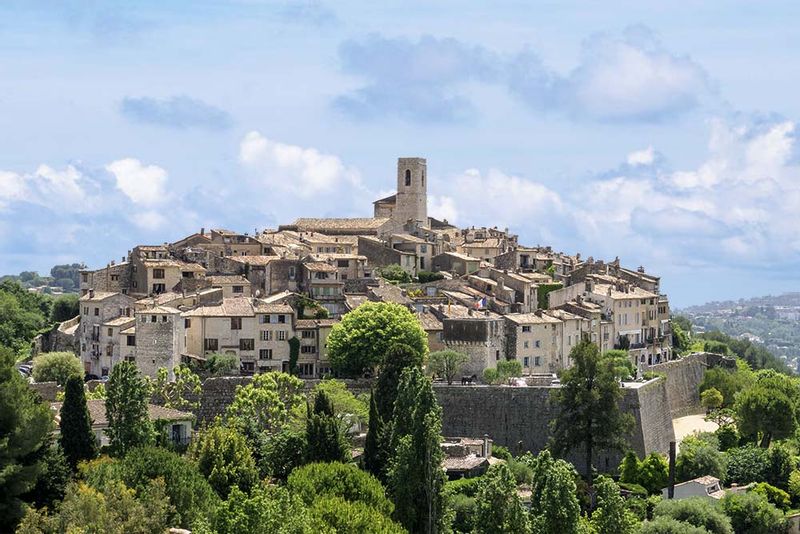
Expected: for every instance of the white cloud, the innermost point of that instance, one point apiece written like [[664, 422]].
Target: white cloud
[[143, 184], [642, 157], [304, 172], [67, 190]]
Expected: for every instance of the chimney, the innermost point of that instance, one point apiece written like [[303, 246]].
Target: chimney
[[671, 486], [202, 231], [487, 446], [112, 263], [91, 293]]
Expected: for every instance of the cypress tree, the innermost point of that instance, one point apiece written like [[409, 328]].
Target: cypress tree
[[374, 459], [326, 441], [129, 425], [77, 439]]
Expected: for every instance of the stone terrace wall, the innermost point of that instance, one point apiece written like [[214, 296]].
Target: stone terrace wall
[[683, 380]]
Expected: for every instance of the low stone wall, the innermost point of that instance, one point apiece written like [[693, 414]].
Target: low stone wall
[[46, 390]]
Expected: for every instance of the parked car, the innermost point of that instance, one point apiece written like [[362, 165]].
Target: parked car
[[90, 376]]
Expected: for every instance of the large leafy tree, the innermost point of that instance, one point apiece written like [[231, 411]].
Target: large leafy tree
[[589, 415], [769, 409], [358, 343], [56, 367], [326, 440], [267, 403], [415, 476], [22, 314], [224, 458], [25, 424], [498, 506], [77, 438], [554, 503], [336, 479], [446, 363], [266, 510], [611, 514], [699, 458], [339, 515], [126, 409], [180, 393], [752, 513], [697, 511]]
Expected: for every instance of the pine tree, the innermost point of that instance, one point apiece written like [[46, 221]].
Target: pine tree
[[415, 477], [129, 425], [77, 439], [25, 423], [326, 441], [374, 457]]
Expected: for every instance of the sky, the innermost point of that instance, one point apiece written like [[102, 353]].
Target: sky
[[664, 135]]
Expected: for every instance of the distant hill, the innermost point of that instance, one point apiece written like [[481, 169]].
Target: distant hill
[[63, 279], [771, 321]]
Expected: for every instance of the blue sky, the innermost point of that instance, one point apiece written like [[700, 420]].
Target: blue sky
[[666, 136]]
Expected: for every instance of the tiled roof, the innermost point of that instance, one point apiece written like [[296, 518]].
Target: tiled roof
[[119, 321], [313, 323], [463, 463], [260, 306], [314, 238], [227, 279], [390, 293], [408, 238], [230, 307], [158, 309], [354, 301], [98, 296], [97, 411], [429, 322], [531, 318], [459, 256], [391, 199], [319, 266], [254, 260], [370, 223], [613, 292]]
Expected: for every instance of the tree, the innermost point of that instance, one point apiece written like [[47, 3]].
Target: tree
[[774, 495], [326, 440], [180, 393], [395, 273], [415, 476], [336, 479], [746, 464], [699, 458], [629, 468], [22, 315], [56, 367], [498, 507], [751, 513], [77, 437], [697, 511], [267, 510], [611, 515], [711, 399], [126, 409], [375, 453], [294, 353], [188, 491], [215, 365], [65, 307], [446, 363], [667, 525], [25, 424], [769, 409], [358, 343], [728, 382], [589, 416], [349, 409], [554, 503], [622, 364], [54, 477], [680, 337], [224, 458], [653, 473], [281, 453], [339, 515], [794, 486], [267, 403], [114, 509]]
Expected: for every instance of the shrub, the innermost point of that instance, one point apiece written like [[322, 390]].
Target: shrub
[[727, 436], [667, 525], [281, 453], [746, 464], [395, 273], [653, 473], [352, 516], [56, 367], [776, 496], [697, 511], [425, 276], [345, 481], [794, 486], [697, 457], [498, 451], [752, 513], [522, 471], [463, 509], [463, 486], [224, 458]]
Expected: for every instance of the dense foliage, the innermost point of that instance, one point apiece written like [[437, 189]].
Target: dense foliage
[[57, 367], [77, 437]]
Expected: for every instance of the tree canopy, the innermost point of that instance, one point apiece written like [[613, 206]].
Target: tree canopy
[[56, 367], [77, 437], [127, 397]]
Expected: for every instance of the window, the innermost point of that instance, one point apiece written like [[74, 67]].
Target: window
[[187, 274], [247, 344], [237, 289], [343, 263], [153, 318], [497, 355], [114, 277], [110, 332], [266, 335], [248, 367], [281, 335], [265, 354], [263, 319], [308, 334], [526, 362], [236, 323], [163, 318], [525, 344], [86, 310], [84, 277], [131, 342], [158, 274], [109, 349], [526, 329], [537, 361], [96, 312], [308, 349], [291, 273], [187, 323], [408, 177], [282, 319], [211, 344], [538, 344], [159, 288], [422, 262], [134, 283]]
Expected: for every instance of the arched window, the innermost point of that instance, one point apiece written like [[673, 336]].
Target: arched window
[[408, 176]]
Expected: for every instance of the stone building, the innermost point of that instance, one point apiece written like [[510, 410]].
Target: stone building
[[313, 335], [478, 334], [410, 203], [98, 349], [160, 331]]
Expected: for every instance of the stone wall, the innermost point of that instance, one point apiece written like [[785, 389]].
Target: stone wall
[[683, 378], [46, 390]]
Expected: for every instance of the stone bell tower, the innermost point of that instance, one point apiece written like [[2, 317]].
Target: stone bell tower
[[412, 192]]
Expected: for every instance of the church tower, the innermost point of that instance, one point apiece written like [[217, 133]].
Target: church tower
[[412, 195]]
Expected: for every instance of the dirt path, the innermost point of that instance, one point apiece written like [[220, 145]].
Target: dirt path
[[690, 424]]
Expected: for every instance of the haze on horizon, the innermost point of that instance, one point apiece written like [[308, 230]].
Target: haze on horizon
[[667, 137]]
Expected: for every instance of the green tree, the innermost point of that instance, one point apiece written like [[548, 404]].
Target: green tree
[[225, 459], [680, 337], [114, 509], [336, 479], [25, 424], [728, 382], [589, 416], [345, 516], [266, 510], [349, 409], [53, 479], [22, 315], [653, 473], [395, 273], [774, 495], [126, 409], [281, 453], [667, 525], [711, 399], [746, 464], [751, 513], [498, 507], [56, 367], [697, 511], [629, 468], [216, 364], [611, 515], [65, 307], [188, 491], [554, 502], [294, 354], [77, 437], [415, 477], [769, 409], [622, 364], [358, 343], [326, 440], [180, 393], [446, 364], [375, 448], [699, 458], [267, 402], [794, 486]]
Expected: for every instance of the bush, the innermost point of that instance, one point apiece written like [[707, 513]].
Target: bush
[[225, 459], [794, 486], [522, 471], [395, 273], [698, 457], [347, 516], [345, 481], [498, 451], [463, 486], [463, 508], [266, 510], [697, 511], [653, 473], [746, 464], [425, 276], [752, 513], [281, 453], [667, 525], [776, 496], [56, 367], [727, 436]]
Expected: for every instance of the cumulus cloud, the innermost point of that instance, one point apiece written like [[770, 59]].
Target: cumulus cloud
[[304, 172], [415, 80], [630, 77], [143, 184], [175, 112], [642, 157]]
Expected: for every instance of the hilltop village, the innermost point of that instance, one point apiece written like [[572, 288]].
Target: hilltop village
[[477, 290]]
